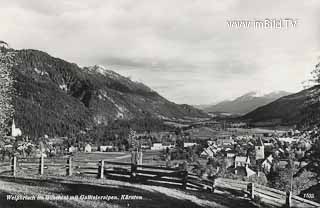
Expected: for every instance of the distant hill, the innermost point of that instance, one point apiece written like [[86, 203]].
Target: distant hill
[[299, 108], [56, 97], [245, 103]]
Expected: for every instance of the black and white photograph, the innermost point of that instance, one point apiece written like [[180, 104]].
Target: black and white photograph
[[159, 104]]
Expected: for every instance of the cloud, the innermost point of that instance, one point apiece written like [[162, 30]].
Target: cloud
[[183, 48]]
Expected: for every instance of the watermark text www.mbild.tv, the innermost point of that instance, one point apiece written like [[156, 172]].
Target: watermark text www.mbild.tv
[[267, 23]]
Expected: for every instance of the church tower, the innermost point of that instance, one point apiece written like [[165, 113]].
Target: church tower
[[13, 127], [259, 150], [15, 131]]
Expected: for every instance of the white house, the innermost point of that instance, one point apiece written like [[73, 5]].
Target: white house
[[72, 149], [160, 146], [209, 151], [87, 148], [105, 148], [241, 161], [287, 139], [40, 153], [231, 154], [186, 144], [157, 146], [267, 164], [249, 172]]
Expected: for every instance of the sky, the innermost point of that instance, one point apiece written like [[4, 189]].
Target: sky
[[183, 49]]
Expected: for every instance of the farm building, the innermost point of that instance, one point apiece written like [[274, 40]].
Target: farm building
[[189, 144], [225, 141], [160, 146], [267, 164], [87, 148], [241, 161], [72, 149], [105, 148]]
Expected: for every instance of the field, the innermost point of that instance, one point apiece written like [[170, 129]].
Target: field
[[149, 157], [251, 131]]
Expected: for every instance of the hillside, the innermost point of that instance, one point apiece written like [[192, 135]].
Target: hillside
[[148, 196], [299, 108], [245, 103], [56, 97]]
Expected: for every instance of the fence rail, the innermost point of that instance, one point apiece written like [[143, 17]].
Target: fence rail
[[154, 175], [270, 195]]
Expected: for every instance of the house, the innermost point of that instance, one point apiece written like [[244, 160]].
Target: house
[[241, 166], [244, 171], [225, 141], [157, 146], [40, 153], [160, 146], [209, 151], [87, 148], [285, 164], [8, 146], [287, 139], [267, 164], [249, 172], [231, 154], [145, 146], [206, 153], [57, 140], [189, 144], [268, 144], [241, 161], [238, 124], [72, 149], [105, 148]]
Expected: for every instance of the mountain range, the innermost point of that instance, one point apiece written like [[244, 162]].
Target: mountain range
[[245, 103], [55, 97], [301, 108]]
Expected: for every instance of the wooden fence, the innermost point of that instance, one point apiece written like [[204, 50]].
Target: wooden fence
[[146, 174], [269, 195]]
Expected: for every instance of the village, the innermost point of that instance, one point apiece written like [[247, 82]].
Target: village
[[235, 151]]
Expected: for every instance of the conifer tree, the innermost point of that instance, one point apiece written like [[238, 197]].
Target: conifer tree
[[6, 87]]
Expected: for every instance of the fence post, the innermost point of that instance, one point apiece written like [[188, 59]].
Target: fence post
[[102, 169], [250, 189], [140, 158], [184, 179], [288, 199], [213, 185], [69, 166], [14, 166], [133, 171], [41, 165]]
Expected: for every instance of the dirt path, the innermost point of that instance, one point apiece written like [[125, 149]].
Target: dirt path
[[145, 196]]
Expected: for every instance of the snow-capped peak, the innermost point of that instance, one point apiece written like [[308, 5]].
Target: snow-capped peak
[[102, 70], [260, 94]]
